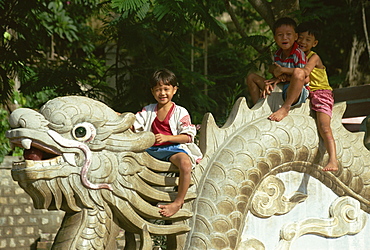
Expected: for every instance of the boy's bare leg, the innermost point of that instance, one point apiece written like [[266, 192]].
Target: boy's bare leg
[[182, 161], [255, 84], [293, 92], [323, 125]]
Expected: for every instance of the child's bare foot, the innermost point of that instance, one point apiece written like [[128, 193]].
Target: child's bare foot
[[331, 167], [278, 115], [170, 209]]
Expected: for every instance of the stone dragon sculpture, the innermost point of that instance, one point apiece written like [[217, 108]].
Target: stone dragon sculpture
[[82, 157]]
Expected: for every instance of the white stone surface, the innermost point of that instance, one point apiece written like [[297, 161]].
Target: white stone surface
[[316, 206]]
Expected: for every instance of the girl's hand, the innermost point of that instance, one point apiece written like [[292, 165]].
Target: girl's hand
[[160, 138]]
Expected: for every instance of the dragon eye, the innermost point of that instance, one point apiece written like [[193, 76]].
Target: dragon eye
[[84, 132], [80, 132]]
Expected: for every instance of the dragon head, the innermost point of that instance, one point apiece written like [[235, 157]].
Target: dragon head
[[66, 140]]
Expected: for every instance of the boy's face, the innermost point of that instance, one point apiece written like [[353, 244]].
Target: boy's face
[[285, 36], [163, 93], [306, 41]]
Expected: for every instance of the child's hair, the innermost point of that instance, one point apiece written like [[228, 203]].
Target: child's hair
[[165, 77], [284, 21], [311, 27]]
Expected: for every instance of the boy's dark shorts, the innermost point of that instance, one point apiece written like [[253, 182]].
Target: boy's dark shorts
[[302, 97]]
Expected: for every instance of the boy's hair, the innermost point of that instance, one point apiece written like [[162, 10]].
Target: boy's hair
[[165, 77], [311, 27], [284, 21]]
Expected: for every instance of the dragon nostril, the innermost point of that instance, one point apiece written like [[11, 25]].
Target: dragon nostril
[[22, 123], [26, 118]]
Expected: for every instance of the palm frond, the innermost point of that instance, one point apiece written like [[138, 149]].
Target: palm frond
[[128, 5]]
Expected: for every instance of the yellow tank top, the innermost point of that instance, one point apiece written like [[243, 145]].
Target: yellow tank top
[[318, 77]]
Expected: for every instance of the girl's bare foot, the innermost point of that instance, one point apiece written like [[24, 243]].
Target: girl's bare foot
[[331, 167], [170, 209], [278, 115]]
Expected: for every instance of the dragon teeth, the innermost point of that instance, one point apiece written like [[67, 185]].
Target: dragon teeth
[[39, 164], [19, 165], [26, 143], [70, 158]]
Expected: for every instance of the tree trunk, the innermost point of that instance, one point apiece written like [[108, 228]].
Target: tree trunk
[[270, 12], [354, 75]]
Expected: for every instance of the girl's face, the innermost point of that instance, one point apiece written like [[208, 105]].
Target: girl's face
[[306, 41], [163, 93]]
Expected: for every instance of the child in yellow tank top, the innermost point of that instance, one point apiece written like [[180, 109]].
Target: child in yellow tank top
[[318, 76]]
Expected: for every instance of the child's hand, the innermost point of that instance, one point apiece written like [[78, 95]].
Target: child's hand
[[269, 86], [159, 138], [277, 70], [283, 78]]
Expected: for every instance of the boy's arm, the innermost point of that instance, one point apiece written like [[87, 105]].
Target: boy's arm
[[311, 64], [278, 70]]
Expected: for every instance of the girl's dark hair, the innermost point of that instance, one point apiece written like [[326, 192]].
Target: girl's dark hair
[[311, 27], [165, 77], [284, 21]]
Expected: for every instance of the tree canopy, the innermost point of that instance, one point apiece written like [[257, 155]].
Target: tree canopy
[[108, 50]]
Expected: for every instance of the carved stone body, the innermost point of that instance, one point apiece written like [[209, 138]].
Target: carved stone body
[[95, 169]]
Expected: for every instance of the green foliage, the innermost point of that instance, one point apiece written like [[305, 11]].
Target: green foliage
[[39, 98], [4, 142], [128, 5], [231, 96], [159, 240], [85, 76], [51, 46], [5, 148], [56, 21]]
